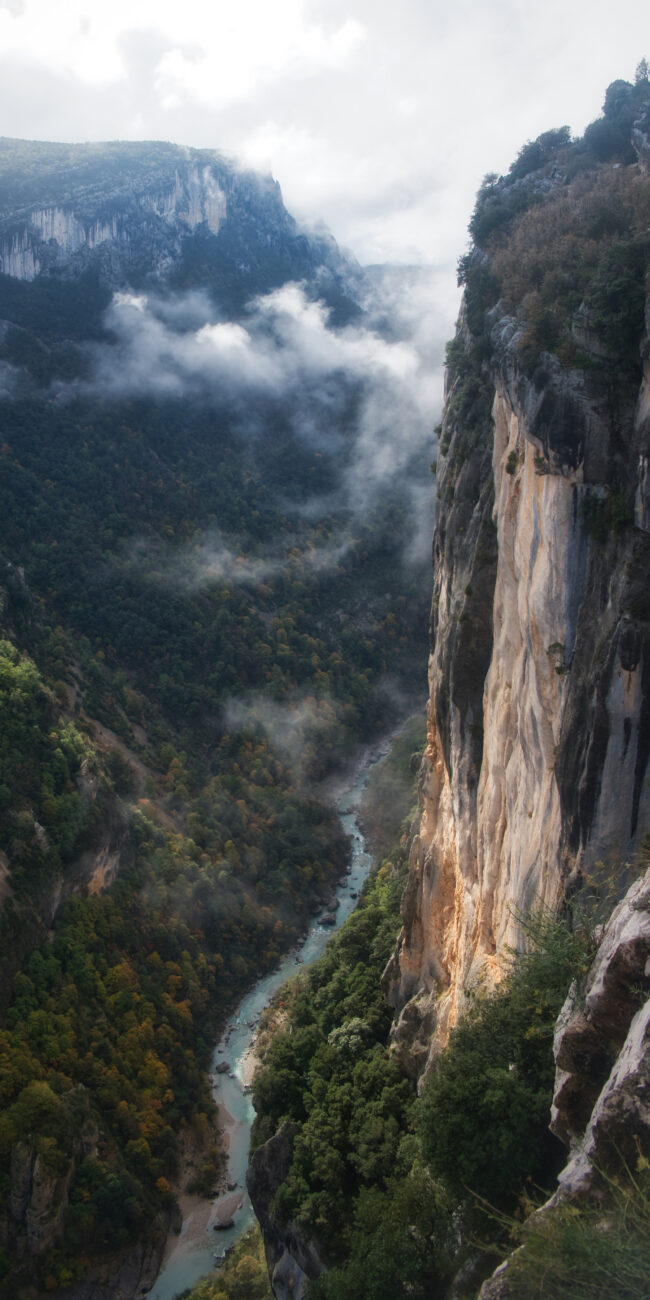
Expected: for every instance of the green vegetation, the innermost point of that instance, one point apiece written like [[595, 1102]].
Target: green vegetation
[[484, 1113], [332, 1074], [595, 1251], [471, 391], [606, 513], [244, 1276], [116, 514], [383, 1181], [561, 244], [40, 757], [565, 233], [112, 1023], [185, 649], [391, 1188]]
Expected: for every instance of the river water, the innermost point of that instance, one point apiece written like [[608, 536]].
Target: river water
[[193, 1253]]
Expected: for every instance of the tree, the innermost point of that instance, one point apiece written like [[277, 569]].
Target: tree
[[642, 72]]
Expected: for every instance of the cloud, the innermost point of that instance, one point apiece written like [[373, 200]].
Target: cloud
[[13, 381], [297, 730], [367, 394], [266, 43], [213, 559], [284, 342], [379, 118], [203, 56]]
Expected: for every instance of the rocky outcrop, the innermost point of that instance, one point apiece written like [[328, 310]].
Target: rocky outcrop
[[38, 1199], [539, 710], [601, 1104], [127, 1273], [292, 1261], [34, 1217], [65, 235], [40, 1176]]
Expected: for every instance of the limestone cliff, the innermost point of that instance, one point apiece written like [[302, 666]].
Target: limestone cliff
[[127, 213], [538, 738]]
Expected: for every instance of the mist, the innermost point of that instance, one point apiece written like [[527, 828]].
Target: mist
[[367, 396], [213, 558]]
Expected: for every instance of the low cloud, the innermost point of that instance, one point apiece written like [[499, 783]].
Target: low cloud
[[367, 394], [213, 559], [175, 347], [295, 729]]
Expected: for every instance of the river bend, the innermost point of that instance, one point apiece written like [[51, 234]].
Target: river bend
[[192, 1254]]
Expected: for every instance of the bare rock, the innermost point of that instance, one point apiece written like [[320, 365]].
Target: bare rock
[[38, 1199], [619, 1127], [292, 1261], [589, 1037]]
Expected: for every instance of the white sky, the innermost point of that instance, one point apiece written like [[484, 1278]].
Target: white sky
[[379, 117]]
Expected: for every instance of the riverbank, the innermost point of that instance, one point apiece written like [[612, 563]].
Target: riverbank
[[236, 1055]]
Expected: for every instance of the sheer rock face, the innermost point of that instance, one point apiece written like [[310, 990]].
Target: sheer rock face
[[539, 712], [127, 220]]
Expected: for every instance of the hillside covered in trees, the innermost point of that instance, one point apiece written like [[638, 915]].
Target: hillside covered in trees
[[208, 600]]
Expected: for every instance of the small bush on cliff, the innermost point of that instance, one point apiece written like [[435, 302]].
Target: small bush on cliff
[[590, 1251]]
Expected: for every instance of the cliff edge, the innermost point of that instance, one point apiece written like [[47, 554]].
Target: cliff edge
[[535, 774]]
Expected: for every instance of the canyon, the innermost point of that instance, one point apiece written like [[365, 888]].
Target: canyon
[[186, 686], [534, 791]]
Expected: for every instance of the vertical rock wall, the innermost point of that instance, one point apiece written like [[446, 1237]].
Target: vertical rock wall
[[536, 766]]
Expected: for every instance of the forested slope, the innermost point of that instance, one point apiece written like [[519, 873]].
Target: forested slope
[[201, 617]]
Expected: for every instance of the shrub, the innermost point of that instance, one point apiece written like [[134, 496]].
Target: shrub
[[607, 514], [483, 1115], [585, 244], [594, 1252]]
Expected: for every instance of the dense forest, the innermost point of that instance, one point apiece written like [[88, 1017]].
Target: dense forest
[[405, 1194], [200, 622]]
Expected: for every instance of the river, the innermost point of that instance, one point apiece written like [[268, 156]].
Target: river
[[192, 1253]]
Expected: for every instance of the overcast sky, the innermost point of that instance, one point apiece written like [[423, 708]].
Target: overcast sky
[[379, 117]]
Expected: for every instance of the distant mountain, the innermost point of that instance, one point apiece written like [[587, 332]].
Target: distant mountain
[[126, 213]]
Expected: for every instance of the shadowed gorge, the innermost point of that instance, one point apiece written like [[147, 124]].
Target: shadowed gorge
[[217, 494]]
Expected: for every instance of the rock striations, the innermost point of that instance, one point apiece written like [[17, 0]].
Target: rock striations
[[539, 715], [601, 1104]]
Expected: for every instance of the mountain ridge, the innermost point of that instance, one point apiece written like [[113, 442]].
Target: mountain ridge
[[133, 211]]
